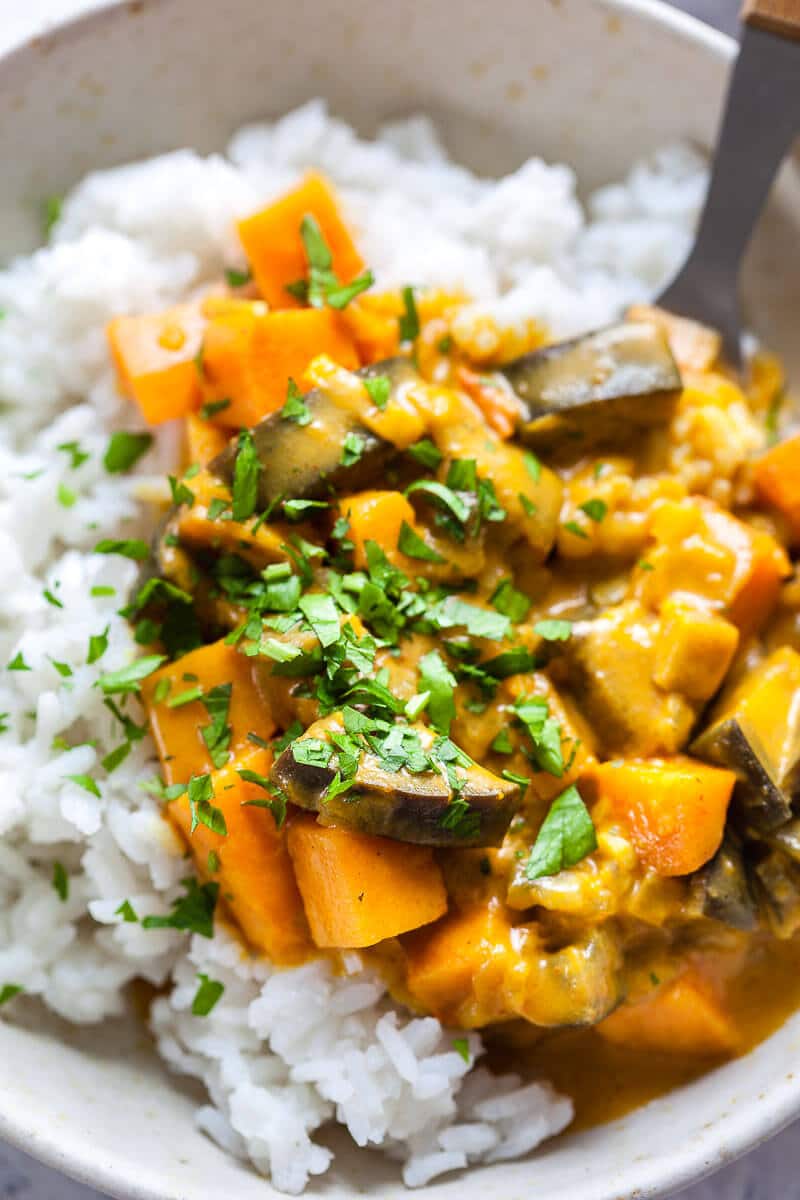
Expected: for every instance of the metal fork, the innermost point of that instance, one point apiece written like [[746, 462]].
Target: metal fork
[[762, 118]]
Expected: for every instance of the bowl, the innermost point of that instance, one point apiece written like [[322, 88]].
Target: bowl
[[593, 82]]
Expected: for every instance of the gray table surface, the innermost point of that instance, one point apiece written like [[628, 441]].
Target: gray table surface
[[770, 1173]]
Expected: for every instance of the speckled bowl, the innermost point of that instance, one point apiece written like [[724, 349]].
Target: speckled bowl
[[592, 82]]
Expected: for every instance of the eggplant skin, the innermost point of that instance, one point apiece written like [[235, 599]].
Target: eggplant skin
[[759, 801], [403, 806], [303, 462], [721, 889], [595, 386]]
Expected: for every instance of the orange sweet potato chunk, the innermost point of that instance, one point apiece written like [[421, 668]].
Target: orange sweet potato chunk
[[253, 867], [250, 354], [681, 1017], [777, 478], [177, 727], [274, 247], [673, 809], [154, 354], [359, 890]]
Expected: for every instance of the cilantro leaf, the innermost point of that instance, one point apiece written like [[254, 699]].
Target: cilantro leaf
[[206, 996], [86, 782], [77, 456], [379, 389], [426, 453], [127, 912], [595, 509], [352, 449], [212, 407], [8, 991], [409, 321], [323, 617], [340, 296], [511, 603], [127, 679], [18, 663], [553, 630], [566, 837], [133, 548], [236, 278], [201, 793], [192, 912], [295, 409], [98, 644], [125, 449], [532, 466], [245, 477], [479, 622], [276, 805], [411, 544], [60, 882], [439, 682]]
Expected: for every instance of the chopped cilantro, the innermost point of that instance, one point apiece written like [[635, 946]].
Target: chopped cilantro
[[312, 752], [461, 1046], [245, 477], [409, 321], [98, 644], [502, 743], [511, 603], [133, 548], [51, 599], [51, 213], [217, 735], [116, 757], [644, 565], [566, 837], [322, 615], [236, 278], [188, 697], [574, 528], [295, 510], [8, 991], [193, 912], [595, 509], [340, 296], [181, 494], [544, 732], [60, 882], [64, 669], [478, 622], [65, 496], [410, 543], [553, 630], [426, 453], [125, 449], [77, 456], [201, 793], [127, 679], [295, 409], [127, 912], [18, 663], [206, 996], [212, 407], [439, 682], [86, 782], [101, 589], [352, 449], [379, 388], [212, 862], [532, 466], [276, 805]]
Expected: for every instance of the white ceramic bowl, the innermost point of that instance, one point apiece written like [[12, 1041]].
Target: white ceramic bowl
[[592, 82]]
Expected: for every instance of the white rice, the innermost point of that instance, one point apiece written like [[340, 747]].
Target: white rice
[[283, 1052]]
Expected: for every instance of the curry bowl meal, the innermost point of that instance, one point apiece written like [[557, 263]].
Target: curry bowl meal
[[400, 674]]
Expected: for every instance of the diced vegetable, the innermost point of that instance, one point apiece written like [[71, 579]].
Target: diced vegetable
[[611, 662], [721, 889], [305, 460], [693, 651], [777, 478], [674, 810], [681, 1017], [755, 731], [778, 882], [577, 984], [443, 960], [414, 803], [274, 246], [253, 867], [595, 387], [204, 441], [694, 347], [377, 517], [155, 359], [359, 890], [202, 708], [251, 354]]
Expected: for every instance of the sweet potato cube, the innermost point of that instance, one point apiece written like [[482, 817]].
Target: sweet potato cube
[[359, 890], [442, 959], [673, 809], [250, 354], [252, 866], [155, 359], [177, 719], [777, 479], [274, 247], [693, 651], [681, 1017], [204, 441]]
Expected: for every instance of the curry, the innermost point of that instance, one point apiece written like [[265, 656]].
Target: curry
[[480, 655]]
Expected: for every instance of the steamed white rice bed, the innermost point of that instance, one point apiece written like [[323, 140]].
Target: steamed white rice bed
[[283, 1051]]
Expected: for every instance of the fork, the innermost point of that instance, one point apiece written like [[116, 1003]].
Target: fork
[[762, 118]]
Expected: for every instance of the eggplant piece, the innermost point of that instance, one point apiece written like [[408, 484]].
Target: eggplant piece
[[408, 805], [758, 798], [595, 387], [303, 462], [721, 889], [778, 880], [577, 984]]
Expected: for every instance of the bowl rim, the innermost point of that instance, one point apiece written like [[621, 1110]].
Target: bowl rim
[[728, 1140]]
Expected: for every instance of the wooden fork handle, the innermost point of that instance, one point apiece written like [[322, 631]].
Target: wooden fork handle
[[776, 16]]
